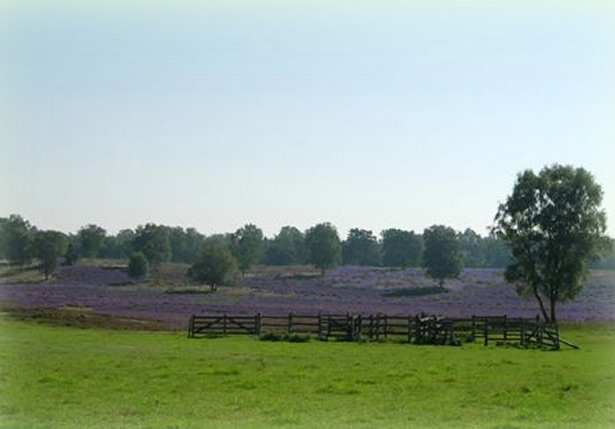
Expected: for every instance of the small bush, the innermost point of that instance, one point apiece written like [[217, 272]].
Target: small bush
[[296, 338], [270, 336], [138, 266], [291, 338], [418, 291]]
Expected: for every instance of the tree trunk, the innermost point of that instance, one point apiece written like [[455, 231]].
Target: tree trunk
[[542, 306]]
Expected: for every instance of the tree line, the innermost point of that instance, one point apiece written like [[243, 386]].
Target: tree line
[[21, 243]]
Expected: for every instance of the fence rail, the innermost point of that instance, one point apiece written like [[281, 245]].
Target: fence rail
[[417, 329]]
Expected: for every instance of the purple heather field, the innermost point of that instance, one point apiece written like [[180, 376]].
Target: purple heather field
[[357, 290]]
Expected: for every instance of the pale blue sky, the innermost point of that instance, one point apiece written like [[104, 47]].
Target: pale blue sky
[[364, 114]]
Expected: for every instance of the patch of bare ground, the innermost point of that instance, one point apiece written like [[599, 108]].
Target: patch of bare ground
[[81, 317]]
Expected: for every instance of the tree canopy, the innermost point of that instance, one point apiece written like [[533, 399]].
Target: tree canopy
[[361, 247], [401, 248], [472, 248], [324, 246], [247, 246], [153, 241], [16, 240], [49, 246], [442, 257], [553, 224], [286, 248], [213, 265], [90, 239]]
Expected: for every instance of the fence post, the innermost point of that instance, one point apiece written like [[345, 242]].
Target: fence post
[[418, 336], [257, 324], [409, 329], [224, 324], [191, 327], [348, 327], [378, 327], [523, 332], [320, 333], [505, 329], [386, 326], [473, 327], [486, 330], [358, 327], [289, 328]]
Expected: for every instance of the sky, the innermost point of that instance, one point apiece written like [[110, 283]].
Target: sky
[[365, 114]]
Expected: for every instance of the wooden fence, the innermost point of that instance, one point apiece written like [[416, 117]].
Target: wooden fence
[[417, 329]]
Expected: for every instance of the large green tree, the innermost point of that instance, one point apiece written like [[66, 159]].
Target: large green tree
[[442, 257], [361, 247], [213, 265], [247, 246], [324, 246], [153, 241], [553, 224], [49, 246], [401, 248]]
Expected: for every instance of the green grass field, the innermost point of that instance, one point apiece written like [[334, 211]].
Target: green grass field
[[57, 377]]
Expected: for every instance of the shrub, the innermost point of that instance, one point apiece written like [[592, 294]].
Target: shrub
[[138, 266], [214, 265]]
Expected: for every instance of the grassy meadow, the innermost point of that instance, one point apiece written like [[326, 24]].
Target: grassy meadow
[[65, 377]]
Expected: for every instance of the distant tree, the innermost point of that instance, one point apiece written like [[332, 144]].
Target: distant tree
[[286, 248], [497, 253], [90, 238], [3, 222], [226, 239], [49, 246], [185, 244], [553, 224], [72, 255], [138, 266], [401, 248], [324, 246], [605, 261], [193, 242], [247, 246], [153, 241], [17, 240], [213, 265], [442, 256], [472, 249], [361, 247], [117, 246]]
